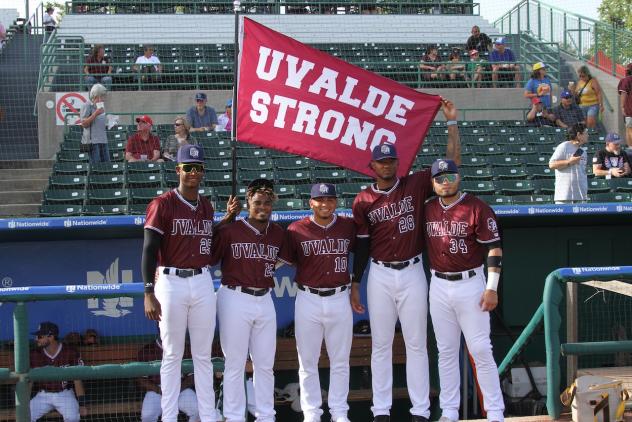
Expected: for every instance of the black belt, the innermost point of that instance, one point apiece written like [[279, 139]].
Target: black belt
[[249, 291], [182, 272], [323, 293], [455, 277], [398, 265]]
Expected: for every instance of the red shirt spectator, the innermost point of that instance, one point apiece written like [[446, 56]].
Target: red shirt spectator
[[143, 146]]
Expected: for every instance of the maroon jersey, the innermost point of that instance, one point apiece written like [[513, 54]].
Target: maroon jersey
[[393, 218], [320, 253], [187, 230], [248, 256], [456, 235], [65, 356], [153, 351]]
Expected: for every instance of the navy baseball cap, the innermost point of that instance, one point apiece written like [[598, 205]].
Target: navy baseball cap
[[47, 328], [323, 189], [613, 138], [383, 151], [190, 154], [200, 96], [566, 94], [441, 166]]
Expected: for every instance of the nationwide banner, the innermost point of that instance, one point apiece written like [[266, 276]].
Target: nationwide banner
[[294, 98]]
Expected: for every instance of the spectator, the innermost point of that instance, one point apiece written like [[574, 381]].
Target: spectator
[[3, 35], [151, 409], [611, 161], [90, 337], [98, 68], [66, 397], [148, 64], [456, 68], [179, 138], [478, 41], [569, 162], [143, 145], [567, 113], [224, 121], [539, 85], [431, 69], [504, 62], [48, 20], [588, 96], [538, 115], [476, 68], [94, 123], [625, 92], [201, 117]]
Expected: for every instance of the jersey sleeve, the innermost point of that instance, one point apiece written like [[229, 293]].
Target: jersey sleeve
[[360, 218], [156, 218], [288, 253], [486, 225]]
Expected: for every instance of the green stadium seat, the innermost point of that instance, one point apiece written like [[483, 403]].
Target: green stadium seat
[[74, 146], [285, 191], [108, 168], [72, 181], [508, 139], [217, 153], [73, 156], [66, 210], [117, 156], [431, 150], [247, 176], [169, 166], [107, 196], [288, 204], [96, 181], [303, 190], [291, 163], [354, 176], [532, 199], [118, 146], [251, 153], [144, 180], [256, 164], [64, 196], [223, 192], [292, 177], [105, 209], [487, 149], [218, 178], [424, 161], [540, 172], [521, 149], [350, 190], [208, 192], [537, 159], [507, 172], [515, 187], [546, 150], [474, 161], [478, 187], [610, 197], [145, 195], [215, 143], [172, 180], [71, 168], [335, 175], [545, 186], [506, 160], [137, 209], [622, 184], [496, 199], [474, 140], [476, 173], [598, 185], [144, 167], [220, 165], [322, 165]]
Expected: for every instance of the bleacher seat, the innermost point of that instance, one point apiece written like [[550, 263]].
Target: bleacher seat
[[479, 187], [330, 175], [285, 191], [107, 196], [496, 199], [96, 181], [610, 197], [105, 209], [144, 167], [64, 196], [545, 186], [476, 173], [515, 187], [108, 168], [623, 184], [294, 176], [65, 210], [507, 172], [67, 182], [287, 204], [144, 180], [71, 168], [532, 199], [598, 185], [217, 178]]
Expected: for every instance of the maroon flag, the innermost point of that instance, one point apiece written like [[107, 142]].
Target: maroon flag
[[294, 98]]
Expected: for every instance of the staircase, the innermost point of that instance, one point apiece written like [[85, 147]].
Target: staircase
[[21, 186], [19, 70]]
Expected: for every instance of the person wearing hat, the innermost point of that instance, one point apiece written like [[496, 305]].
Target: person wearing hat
[[567, 113], [225, 120], [461, 234], [538, 115], [476, 68], [201, 117], [389, 219], [625, 99], [612, 161], [248, 250], [143, 145], [66, 397], [319, 247], [179, 292], [504, 63], [539, 85], [569, 162]]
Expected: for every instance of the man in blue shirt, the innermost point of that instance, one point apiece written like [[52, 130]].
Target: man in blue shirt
[[201, 117], [503, 61]]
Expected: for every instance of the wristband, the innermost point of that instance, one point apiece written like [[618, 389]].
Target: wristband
[[149, 287], [492, 280], [451, 123], [81, 400], [355, 279]]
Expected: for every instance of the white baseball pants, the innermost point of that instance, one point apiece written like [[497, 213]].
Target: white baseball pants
[[187, 403], [454, 307], [186, 303], [247, 323], [330, 317], [65, 402], [391, 294]]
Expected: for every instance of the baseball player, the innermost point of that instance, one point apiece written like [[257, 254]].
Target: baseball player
[[178, 286], [187, 400], [319, 246], [248, 249], [389, 216], [461, 230], [57, 395]]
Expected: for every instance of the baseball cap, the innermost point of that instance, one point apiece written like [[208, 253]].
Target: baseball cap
[[613, 138], [323, 189], [473, 52], [566, 94], [229, 102], [383, 151], [200, 96], [536, 100], [500, 41], [190, 154], [441, 166], [261, 183], [144, 118], [538, 66], [47, 328]]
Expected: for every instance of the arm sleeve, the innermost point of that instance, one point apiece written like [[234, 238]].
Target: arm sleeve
[[360, 219], [149, 261], [487, 226], [360, 257]]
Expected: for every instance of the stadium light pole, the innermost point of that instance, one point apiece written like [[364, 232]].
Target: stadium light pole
[[233, 126]]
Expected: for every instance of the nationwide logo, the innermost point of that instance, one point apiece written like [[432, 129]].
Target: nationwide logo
[[531, 210], [68, 223], [111, 307], [11, 224], [575, 210], [139, 221], [619, 208], [71, 289], [580, 270]]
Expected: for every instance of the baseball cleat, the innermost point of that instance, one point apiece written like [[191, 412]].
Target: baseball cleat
[[382, 418], [417, 418]]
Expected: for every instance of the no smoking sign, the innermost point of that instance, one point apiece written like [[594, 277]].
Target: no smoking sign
[[67, 104]]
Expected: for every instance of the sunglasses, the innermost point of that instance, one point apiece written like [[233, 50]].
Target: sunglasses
[[448, 177], [188, 168]]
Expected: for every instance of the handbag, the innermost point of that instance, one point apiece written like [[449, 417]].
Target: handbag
[[596, 399], [85, 136], [578, 96]]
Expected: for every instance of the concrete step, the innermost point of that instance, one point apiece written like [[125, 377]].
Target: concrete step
[[19, 210], [21, 197], [27, 164], [21, 174], [23, 184]]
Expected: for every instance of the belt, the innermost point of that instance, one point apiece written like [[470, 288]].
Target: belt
[[249, 291], [324, 293], [398, 265], [455, 276], [182, 272]]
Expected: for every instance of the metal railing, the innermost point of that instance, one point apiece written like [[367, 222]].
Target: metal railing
[[604, 45]]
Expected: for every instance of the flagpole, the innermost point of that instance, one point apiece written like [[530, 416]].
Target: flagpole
[[233, 128]]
